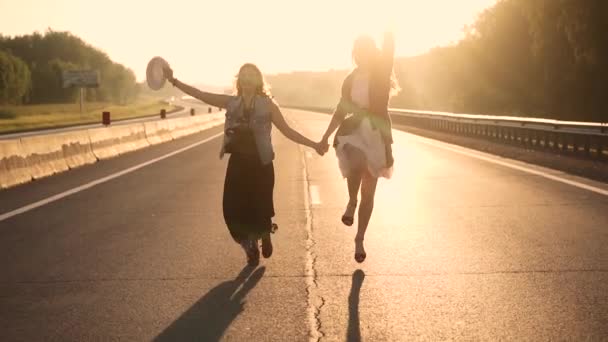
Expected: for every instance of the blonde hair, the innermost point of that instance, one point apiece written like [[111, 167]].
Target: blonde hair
[[263, 89]]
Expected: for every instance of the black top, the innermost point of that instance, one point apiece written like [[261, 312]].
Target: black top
[[244, 138]]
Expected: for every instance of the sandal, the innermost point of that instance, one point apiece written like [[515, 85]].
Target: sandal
[[349, 215], [359, 256]]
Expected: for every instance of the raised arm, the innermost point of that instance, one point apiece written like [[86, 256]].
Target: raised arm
[[279, 121], [216, 100], [388, 52]]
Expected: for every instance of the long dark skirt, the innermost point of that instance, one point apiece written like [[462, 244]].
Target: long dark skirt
[[248, 201]]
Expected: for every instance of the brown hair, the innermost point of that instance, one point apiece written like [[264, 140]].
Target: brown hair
[[365, 51]]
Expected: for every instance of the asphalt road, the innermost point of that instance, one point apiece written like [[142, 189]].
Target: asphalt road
[[461, 246]]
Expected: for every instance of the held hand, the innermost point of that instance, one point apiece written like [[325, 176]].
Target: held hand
[[320, 148], [168, 73], [325, 144]]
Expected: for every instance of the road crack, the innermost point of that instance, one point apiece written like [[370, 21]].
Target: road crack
[[314, 298]]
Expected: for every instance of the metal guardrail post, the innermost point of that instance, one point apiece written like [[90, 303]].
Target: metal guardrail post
[[563, 144], [587, 146], [575, 144], [555, 139], [544, 138]]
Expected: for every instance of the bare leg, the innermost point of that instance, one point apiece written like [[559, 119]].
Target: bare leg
[[354, 182], [368, 191]]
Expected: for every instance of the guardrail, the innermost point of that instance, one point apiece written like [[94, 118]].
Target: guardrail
[[581, 138], [586, 139]]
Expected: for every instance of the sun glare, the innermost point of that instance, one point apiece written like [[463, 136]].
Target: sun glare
[[207, 41]]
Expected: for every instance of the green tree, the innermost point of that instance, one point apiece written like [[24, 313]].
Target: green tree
[[48, 54], [15, 79]]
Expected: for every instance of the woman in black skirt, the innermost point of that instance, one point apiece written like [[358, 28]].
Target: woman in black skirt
[[248, 187]]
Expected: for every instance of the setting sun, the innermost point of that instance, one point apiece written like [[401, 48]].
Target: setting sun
[[280, 170], [207, 41]]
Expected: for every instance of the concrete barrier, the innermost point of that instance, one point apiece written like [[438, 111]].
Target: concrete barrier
[[113, 141], [44, 154], [77, 149], [185, 126], [130, 137], [152, 133], [171, 129], [164, 131], [14, 168], [209, 121], [22, 160], [216, 120], [103, 145], [157, 132], [175, 127]]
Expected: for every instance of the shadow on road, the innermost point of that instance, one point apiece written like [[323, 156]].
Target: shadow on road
[[208, 319], [353, 334]]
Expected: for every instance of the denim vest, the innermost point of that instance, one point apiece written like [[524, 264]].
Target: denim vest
[[260, 123]]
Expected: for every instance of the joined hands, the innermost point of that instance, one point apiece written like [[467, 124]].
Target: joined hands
[[322, 147]]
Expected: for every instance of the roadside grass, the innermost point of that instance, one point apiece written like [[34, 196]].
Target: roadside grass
[[34, 117]]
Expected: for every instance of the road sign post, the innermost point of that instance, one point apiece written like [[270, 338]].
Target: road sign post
[[81, 79], [81, 99]]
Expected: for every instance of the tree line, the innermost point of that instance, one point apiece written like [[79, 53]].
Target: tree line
[[534, 58], [31, 68]]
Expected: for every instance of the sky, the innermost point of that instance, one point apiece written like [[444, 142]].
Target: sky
[[206, 41]]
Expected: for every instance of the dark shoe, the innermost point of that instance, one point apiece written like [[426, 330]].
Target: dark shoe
[[252, 252], [266, 246]]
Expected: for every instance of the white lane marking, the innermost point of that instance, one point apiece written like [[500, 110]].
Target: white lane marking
[[494, 160], [315, 198], [100, 181]]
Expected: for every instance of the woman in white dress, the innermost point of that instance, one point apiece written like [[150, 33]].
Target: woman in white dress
[[363, 140]]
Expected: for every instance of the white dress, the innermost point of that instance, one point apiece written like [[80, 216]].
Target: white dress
[[364, 147]]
